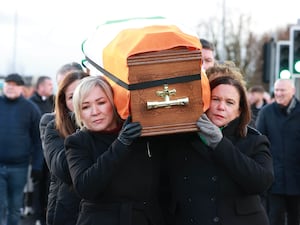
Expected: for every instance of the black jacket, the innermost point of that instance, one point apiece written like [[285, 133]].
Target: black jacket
[[46, 106], [282, 127], [20, 140], [63, 202], [118, 184], [220, 186]]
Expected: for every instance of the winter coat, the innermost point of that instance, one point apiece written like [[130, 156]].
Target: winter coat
[[46, 106], [118, 184], [20, 142], [220, 186], [283, 131], [63, 202]]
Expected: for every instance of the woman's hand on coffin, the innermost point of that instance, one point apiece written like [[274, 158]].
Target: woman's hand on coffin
[[129, 131], [209, 133]]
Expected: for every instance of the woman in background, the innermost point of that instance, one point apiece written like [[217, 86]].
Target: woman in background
[[63, 201]]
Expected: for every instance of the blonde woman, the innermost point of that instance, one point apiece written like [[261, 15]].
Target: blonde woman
[[114, 170]]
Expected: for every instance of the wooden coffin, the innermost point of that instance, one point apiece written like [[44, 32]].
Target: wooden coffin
[[168, 98]]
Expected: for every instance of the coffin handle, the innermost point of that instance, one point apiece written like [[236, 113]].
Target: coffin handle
[[168, 103]]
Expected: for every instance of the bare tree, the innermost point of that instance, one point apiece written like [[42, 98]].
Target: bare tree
[[239, 44]]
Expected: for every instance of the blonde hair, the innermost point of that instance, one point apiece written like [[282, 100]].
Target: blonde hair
[[83, 89]]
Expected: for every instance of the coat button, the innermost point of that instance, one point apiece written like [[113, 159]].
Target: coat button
[[185, 177], [213, 199], [189, 200], [216, 219]]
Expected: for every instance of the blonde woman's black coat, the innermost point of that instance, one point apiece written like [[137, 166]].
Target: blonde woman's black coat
[[118, 184]]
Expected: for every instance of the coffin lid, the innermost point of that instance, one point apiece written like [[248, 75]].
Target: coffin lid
[[115, 41]]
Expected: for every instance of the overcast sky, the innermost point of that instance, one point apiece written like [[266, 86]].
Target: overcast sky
[[50, 33]]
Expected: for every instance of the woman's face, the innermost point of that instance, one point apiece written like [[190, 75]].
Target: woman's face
[[69, 94], [97, 112], [224, 105]]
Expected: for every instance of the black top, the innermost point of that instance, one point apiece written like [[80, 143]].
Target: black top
[[220, 186], [117, 181], [45, 105]]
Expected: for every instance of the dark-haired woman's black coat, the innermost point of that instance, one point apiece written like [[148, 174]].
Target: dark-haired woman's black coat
[[63, 201], [220, 186], [118, 184]]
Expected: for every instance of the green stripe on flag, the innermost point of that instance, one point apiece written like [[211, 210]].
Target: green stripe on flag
[[136, 18]]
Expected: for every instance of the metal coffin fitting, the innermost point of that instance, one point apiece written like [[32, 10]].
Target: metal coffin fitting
[[167, 103]]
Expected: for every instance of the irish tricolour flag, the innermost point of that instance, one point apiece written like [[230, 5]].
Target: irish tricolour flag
[[111, 44]]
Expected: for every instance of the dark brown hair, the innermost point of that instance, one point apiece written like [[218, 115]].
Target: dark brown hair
[[257, 88], [41, 80], [207, 44], [63, 121]]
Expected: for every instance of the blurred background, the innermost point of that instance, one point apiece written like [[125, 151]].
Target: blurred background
[[38, 36]]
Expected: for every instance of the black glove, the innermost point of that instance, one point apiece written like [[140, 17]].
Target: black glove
[[129, 131], [209, 132], [36, 175]]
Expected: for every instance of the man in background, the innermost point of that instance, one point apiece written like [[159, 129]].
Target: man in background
[[43, 97], [256, 101], [208, 60], [279, 121], [20, 145], [208, 54]]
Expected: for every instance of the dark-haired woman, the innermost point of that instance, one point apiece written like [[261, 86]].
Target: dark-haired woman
[[218, 174]]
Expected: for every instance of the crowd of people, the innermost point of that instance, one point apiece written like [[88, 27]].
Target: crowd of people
[[69, 158]]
